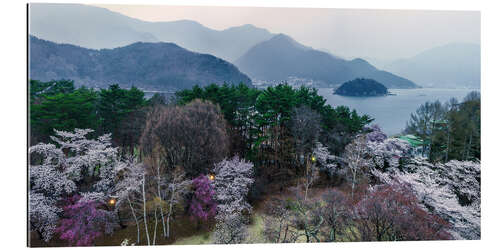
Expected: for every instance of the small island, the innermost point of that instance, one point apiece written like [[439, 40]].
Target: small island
[[361, 87]]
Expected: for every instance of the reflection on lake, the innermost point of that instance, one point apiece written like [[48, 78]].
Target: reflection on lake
[[391, 112]]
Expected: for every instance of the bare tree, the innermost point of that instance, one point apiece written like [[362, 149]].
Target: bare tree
[[354, 155], [305, 126], [277, 221], [391, 212], [191, 138], [336, 212], [186, 136], [177, 186], [306, 219]]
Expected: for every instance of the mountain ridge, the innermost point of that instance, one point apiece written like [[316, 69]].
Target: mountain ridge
[[86, 29], [281, 57], [151, 66]]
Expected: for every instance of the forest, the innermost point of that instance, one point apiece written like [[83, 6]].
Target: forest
[[450, 130], [230, 164]]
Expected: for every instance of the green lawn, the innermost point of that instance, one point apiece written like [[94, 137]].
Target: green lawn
[[256, 229], [203, 238]]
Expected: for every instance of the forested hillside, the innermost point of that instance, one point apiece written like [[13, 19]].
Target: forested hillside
[[152, 66]]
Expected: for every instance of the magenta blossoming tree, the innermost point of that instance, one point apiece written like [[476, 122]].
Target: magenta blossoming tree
[[83, 222], [203, 205]]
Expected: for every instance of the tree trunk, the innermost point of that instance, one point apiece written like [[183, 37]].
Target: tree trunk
[[307, 179], [353, 184], [286, 233], [161, 205], [469, 146], [136, 221], [447, 144], [144, 209], [156, 226], [170, 205], [332, 234]]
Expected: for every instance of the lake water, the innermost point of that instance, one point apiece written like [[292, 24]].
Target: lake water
[[391, 112]]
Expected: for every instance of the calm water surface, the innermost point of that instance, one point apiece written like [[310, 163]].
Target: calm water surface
[[392, 112]]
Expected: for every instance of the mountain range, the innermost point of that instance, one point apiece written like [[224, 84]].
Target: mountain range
[[260, 54], [97, 28], [151, 66], [281, 57]]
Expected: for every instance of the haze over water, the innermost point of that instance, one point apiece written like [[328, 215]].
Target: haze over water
[[391, 112]]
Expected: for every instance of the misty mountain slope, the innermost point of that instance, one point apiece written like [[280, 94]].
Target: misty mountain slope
[[451, 65], [364, 69], [85, 26], [281, 57], [152, 66], [228, 44], [94, 27]]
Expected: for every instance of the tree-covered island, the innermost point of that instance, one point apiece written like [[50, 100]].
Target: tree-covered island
[[361, 87]]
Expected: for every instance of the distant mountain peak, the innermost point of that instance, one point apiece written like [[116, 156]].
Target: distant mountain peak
[[285, 40], [186, 22], [362, 64], [282, 38], [359, 60], [246, 26]]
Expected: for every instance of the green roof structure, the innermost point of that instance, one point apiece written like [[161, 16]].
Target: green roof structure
[[414, 141]]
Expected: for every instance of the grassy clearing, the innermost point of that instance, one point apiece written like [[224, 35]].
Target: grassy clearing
[[255, 234], [256, 229], [203, 238]]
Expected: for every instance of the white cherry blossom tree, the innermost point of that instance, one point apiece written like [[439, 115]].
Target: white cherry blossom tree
[[233, 178], [73, 164]]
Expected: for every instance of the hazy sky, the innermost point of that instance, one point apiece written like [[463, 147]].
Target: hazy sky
[[380, 34]]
